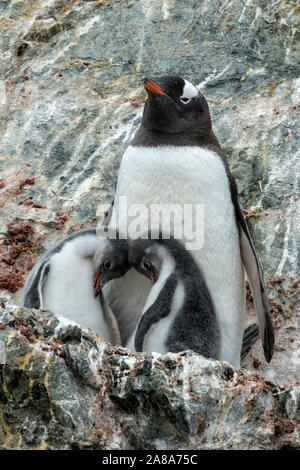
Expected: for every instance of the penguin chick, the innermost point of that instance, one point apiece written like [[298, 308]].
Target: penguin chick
[[179, 313], [62, 282]]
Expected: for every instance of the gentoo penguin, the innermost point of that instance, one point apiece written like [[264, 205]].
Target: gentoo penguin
[[175, 159], [179, 313], [62, 281]]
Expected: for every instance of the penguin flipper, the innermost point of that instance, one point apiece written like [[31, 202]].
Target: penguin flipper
[[158, 310], [107, 216], [32, 297], [254, 274], [251, 334], [255, 278]]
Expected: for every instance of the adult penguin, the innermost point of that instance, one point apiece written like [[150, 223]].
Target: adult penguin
[[176, 159]]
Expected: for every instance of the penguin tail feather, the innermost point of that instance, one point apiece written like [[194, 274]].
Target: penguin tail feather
[[251, 334], [268, 340]]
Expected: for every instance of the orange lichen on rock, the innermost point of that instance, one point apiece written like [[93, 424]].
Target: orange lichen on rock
[[63, 217], [29, 203], [17, 258], [12, 281], [135, 102], [26, 182]]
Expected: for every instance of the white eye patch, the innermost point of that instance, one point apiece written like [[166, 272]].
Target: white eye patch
[[189, 92]]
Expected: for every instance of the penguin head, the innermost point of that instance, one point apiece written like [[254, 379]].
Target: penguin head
[[144, 256], [175, 105], [110, 262]]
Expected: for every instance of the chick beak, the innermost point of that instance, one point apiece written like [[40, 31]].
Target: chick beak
[[154, 276], [151, 86], [97, 282]]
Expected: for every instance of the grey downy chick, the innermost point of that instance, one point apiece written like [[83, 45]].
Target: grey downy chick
[[62, 282]]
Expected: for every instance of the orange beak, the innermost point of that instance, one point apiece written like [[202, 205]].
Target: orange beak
[[150, 85], [97, 280], [155, 276]]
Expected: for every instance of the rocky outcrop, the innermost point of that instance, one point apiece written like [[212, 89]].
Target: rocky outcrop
[[65, 388], [70, 101]]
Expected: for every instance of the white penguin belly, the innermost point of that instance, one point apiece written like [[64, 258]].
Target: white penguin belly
[[68, 291], [192, 175]]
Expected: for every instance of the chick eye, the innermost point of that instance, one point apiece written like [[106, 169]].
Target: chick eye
[[107, 264], [146, 265], [185, 100]]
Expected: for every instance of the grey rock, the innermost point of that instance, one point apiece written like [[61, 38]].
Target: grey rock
[[83, 395]]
